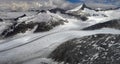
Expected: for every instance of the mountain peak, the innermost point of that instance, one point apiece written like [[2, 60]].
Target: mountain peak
[[81, 7]]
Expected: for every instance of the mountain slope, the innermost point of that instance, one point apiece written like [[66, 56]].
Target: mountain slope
[[93, 49], [57, 36]]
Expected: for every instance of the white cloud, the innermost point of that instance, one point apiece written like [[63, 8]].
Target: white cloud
[[27, 4]]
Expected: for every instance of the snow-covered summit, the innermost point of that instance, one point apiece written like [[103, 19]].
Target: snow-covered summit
[[84, 10], [81, 7]]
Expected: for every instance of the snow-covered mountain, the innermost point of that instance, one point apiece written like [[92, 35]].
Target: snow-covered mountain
[[56, 36]]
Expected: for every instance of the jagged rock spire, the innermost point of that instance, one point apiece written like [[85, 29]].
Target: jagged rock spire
[[83, 6]]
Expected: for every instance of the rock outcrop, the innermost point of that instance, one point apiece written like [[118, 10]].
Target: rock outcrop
[[93, 49]]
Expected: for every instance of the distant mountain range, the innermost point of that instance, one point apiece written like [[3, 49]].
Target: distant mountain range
[[82, 35]]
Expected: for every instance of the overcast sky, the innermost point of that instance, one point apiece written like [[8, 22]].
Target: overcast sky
[[58, 3], [98, 1], [113, 2]]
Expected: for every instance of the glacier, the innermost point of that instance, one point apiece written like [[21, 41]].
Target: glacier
[[31, 37]]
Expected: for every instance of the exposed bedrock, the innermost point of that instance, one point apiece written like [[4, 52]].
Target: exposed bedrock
[[23, 27], [109, 24], [93, 49]]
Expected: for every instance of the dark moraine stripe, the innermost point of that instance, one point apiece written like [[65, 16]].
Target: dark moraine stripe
[[94, 49], [16, 19], [23, 27], [109, 24]]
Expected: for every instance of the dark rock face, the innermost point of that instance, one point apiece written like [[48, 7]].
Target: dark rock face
[[13, 30], [43, 11], [55, 10], [62, 11], [23, 27], [83, 18], [84, 6], [94, 49], [1, 20], [109, 24], [46, 26]]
